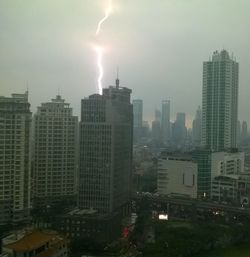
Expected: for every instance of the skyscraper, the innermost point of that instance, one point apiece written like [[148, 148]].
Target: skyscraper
[[15, 121], [220, 102], [156, 130], [179, 128], [55, 155], [157, 115], [106, 150], [238, 132], [244, 130], [156, 126], [165, 120], [138, 113], [196, 129], [138, 119]]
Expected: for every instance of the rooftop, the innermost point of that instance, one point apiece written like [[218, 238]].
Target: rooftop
[[32, 240]]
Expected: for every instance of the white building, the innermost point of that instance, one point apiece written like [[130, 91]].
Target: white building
[[229, 182], [220, 102], [231, 188], [227, 163], [177, 176], [15, 120], [55, 153]]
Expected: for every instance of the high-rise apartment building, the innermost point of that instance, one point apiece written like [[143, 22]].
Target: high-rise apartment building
[[220, 102], [15, 121], [106, 130], [55, 153], [165, 120]]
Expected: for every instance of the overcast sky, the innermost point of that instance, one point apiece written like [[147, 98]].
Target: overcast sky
[[159, 46]]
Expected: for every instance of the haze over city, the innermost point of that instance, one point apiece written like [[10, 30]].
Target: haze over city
[[124, 128], [159, 47]]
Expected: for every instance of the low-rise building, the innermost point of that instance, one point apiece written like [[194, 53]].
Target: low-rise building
[[231, 188], [227, 163], [35, 244], [177, 176], [214, 164], [89, 224]]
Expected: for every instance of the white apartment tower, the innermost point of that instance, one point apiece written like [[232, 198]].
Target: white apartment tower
[[15, 121], [55, 153], [220, 102]]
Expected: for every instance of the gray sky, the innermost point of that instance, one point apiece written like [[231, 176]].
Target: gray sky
[[159, 46]]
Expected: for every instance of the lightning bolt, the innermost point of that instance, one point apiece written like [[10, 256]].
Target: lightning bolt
[[107, 13], [99, 53], [99, 49]]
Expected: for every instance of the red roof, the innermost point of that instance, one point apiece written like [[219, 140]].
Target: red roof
[[31, 241]]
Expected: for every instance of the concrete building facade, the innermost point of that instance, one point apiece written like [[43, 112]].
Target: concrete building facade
[[177, 176], [232, 188]]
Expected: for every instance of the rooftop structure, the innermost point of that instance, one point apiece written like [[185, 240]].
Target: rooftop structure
[[36, 244]]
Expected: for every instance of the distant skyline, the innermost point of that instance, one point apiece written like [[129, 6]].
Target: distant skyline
[[158, 45]]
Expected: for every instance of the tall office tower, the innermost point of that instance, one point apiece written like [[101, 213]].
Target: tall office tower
[[106, 131], [156, 130], [157, 115], [138, 120], [196, 129], [55, 153], [138, 113], [244, 130], [156, 126], [165, 120], [220, 102], [179, 128], [15, 121]]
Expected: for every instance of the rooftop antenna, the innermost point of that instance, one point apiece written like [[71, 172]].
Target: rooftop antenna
[[117, 81], [58, 93]]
